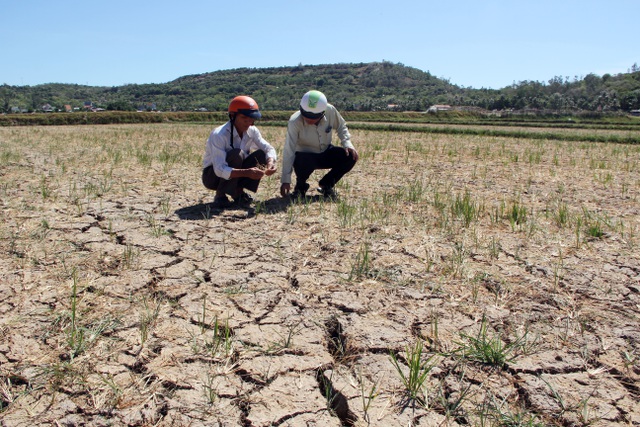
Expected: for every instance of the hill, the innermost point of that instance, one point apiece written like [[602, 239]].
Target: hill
[[352, 87]]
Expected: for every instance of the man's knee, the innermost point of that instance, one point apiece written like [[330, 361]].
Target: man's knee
[[235, 158], [304, 162], [260, 156], [209, 179]]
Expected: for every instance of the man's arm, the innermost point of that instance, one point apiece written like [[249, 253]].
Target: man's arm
[[253, 173], [340, 125]]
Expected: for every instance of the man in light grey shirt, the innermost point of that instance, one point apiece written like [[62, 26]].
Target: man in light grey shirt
[[308, 147]]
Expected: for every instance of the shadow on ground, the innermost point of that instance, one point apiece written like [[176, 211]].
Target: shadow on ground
[[203, 211]]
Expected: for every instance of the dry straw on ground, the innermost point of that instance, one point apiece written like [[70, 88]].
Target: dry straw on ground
[[458, 280]]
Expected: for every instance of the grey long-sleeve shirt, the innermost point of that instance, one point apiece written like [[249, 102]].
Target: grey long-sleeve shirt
[[312, 138]]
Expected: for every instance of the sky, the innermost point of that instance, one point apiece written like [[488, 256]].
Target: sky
[[471, 43]]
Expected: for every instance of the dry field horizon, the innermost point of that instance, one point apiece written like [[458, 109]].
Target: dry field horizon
[[458, 280]]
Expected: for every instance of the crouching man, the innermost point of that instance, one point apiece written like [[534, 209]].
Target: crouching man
[[308, 147], [236, 156]]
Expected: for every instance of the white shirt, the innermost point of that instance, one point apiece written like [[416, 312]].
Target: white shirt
[[312, 138], [218, 145]]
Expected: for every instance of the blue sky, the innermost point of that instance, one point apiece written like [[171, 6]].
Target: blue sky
[[490, 43]]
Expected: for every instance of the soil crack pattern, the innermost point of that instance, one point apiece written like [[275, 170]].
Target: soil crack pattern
[[456, 280]]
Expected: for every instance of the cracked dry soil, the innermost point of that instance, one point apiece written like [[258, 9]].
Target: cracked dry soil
[[126, 299]]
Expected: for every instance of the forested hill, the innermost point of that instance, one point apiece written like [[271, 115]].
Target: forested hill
[[366, 87], [361, 87]]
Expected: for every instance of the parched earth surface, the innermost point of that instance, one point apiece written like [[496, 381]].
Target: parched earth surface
[[456, 281]]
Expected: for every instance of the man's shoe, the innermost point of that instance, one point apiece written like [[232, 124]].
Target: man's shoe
[[328, 192], [221, 202], [244, 199], [299, 192]]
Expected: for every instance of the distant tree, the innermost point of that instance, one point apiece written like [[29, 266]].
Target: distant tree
[[6, 97], [630, 101], [556, 101], [556, 84], [592, 83], [120, 105]]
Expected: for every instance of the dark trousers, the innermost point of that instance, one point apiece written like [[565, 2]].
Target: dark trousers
[[334, 158], [233, 186]]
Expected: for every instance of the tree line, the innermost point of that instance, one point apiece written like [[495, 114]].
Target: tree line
[[376, 86]]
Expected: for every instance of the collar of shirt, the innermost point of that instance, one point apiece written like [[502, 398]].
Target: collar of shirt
[[318, 124], [236, 136]]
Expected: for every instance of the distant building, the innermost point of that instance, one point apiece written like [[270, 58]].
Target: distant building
[[438, 107], [635, 112], [149, 106], [68, 108]]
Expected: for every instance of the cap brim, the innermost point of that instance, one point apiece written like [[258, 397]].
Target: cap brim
[[310, 115], [254, 114]]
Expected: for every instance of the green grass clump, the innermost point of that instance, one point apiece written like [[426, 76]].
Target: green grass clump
[[465, 208], [487, 349], [419, 370]]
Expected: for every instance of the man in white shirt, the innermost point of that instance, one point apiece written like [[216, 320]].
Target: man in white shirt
[[236, 156], [308, 147]]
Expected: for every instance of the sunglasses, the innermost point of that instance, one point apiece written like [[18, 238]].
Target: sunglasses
[[309, 115]]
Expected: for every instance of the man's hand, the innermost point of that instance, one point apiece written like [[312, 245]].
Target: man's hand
[[254, 173], [271, 168], [285, 189], [353, 153]]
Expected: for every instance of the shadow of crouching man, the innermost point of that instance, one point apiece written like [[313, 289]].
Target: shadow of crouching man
[[205, 211]]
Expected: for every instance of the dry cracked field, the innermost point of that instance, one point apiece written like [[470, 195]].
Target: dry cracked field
[[458, 280]]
